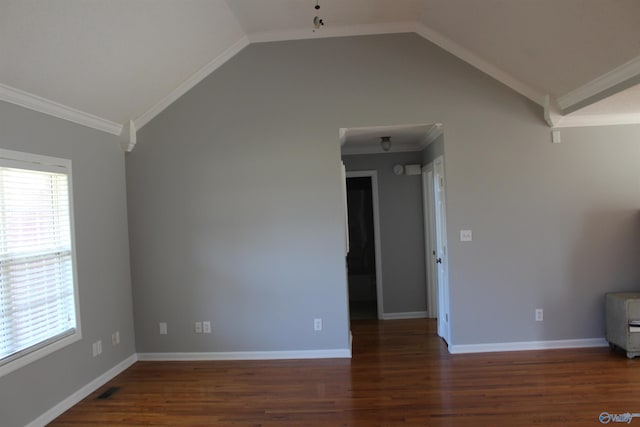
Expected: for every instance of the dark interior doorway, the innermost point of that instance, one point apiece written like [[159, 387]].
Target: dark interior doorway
[[361, 262]]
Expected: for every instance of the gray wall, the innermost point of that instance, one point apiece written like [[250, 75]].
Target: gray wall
[[401, 229], [236, 213], [555, 226], [102, 262]]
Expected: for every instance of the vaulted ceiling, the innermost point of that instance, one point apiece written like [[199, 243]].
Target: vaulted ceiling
[[115, 64]]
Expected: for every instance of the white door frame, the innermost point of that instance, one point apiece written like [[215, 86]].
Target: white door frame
[[428, 204], [442, 252], [376, 231]]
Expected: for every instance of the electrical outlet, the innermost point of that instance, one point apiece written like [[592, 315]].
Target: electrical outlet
[[206, 327], [94, 349], [99, 346], [163, 328], [466, 235], [198, 327], [113, 339], [117, 337], [539, 315], [317, 324]]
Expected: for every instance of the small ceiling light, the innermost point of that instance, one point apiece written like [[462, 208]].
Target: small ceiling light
[[317, 21], [385, 143]]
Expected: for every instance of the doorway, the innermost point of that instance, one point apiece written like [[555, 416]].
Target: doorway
[[363, 260]]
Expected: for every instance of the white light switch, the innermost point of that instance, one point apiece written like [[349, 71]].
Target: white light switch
[[466, 235]]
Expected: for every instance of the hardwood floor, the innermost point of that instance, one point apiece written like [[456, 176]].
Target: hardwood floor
[[401, 375]]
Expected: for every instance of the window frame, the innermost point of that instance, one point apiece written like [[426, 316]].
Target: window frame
[[36, 162]]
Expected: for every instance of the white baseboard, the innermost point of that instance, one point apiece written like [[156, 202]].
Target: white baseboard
[[405, 315], [527, 345], [86, 390], [249, 355]]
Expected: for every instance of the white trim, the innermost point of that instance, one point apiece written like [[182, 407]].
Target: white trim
[[482, 65], [345, 206], [356, 151], [83, 392], [597, 120], [551, 114], [444, 299], [193, 80], [376, 233], [434, 132], [37, 162], [555, 119], [405, 315], [619, 75], [428, 209], [128, 136], [37, 103], [325, 32], [527, 345], [249, 355]]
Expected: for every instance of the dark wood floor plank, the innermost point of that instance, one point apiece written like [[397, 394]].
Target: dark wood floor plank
[[401, 375]]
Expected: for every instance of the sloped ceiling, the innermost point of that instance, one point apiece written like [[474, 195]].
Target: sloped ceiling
[[109, 63], [553, 46]]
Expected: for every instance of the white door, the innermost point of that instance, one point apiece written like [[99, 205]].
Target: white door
[[442, 258], [429, 203]]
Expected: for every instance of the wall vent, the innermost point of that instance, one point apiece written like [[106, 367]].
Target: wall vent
[[108, 393]]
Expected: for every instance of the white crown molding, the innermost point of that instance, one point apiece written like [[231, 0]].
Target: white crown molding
[[622, 74], [249, 355], [325, 32], [128, 136], [619, 75], [196, 78], [577, 120], [37, 103], [378, 129], [482, 65], [527, 345], [551, 114], [83, 392], [434, 132], [376, 149], [555, 119]]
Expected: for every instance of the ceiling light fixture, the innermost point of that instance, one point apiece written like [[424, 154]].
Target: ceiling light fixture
[[385, 143], [317, 21]]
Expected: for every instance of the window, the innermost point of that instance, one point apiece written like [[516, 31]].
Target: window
[[38, 292]]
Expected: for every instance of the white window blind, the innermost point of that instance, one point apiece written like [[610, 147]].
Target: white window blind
[[37, 289]]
